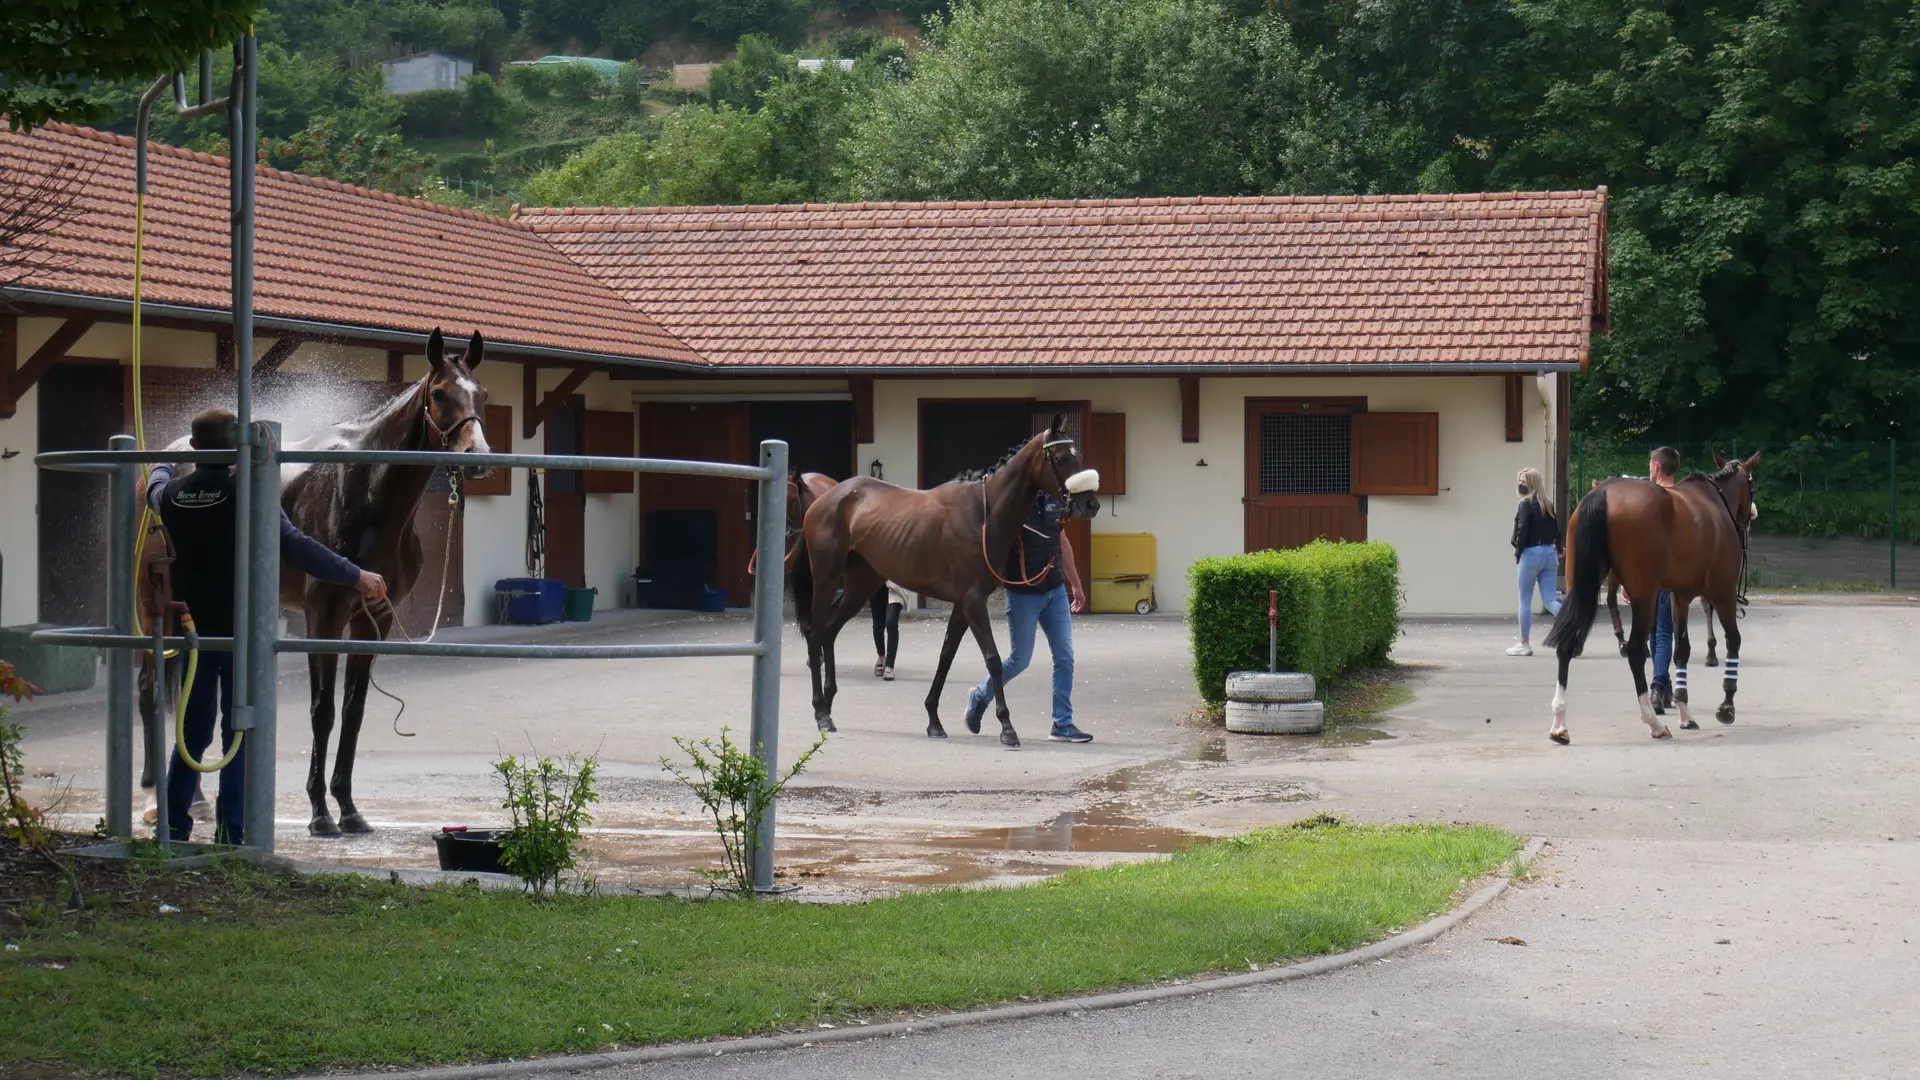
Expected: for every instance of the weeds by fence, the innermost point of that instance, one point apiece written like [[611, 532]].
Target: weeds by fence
[[1832, 515]]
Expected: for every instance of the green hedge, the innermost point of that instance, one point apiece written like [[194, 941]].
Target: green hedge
[[1339, 608]]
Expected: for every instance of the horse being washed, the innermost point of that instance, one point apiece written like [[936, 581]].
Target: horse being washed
[[1689, 540], [947, 543], [365, 512]]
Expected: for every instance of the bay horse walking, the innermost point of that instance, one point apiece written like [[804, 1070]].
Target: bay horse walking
[[365, 512], [1689, 540], [947, 543]]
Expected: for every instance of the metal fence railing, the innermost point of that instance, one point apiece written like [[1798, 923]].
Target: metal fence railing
[[255, 697], [1833, 515]]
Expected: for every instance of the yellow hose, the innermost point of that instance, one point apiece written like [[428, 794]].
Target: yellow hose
[[146, 518], [180, 716]]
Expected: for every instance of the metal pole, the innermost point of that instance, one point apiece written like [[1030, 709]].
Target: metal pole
[[769, 589], [1273, 631], [263, 626], [120, 497], [160, 732], [1893, 514], [240, 121]]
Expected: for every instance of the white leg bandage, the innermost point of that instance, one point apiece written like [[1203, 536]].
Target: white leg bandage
[[1731, 672]]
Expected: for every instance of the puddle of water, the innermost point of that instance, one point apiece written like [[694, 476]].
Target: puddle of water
[[1090, 831], [1353, 736]]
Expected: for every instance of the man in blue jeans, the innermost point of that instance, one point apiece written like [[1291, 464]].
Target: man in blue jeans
[[1047, 599], [1663, 468], [198, 509]]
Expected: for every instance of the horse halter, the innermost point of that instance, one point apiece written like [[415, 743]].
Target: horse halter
[[447, 433]]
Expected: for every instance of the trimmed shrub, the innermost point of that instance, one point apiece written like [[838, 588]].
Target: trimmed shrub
[[432, 114], [1339, 608]]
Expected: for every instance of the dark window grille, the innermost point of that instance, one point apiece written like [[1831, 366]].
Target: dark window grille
[[1305, 454]]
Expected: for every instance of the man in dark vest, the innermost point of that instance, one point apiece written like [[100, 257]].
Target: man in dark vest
[[1043, 589], [198, 509]]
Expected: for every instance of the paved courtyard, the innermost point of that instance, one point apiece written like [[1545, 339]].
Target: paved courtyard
[[1736, 902]]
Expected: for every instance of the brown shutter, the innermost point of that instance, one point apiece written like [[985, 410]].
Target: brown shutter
[[497, 423], [609, 433], [1396, 453], [1107, 451]]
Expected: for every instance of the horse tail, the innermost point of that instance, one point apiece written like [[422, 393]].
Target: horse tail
[[1592, 562]]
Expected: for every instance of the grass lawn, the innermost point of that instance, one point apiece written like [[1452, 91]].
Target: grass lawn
[[274, 975]]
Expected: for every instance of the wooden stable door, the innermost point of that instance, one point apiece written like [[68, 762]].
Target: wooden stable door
[[704, 431], [1079, 534], [1311, 464]]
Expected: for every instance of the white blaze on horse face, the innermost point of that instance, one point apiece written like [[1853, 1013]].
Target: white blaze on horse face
[[467, 384], [1083, 481]]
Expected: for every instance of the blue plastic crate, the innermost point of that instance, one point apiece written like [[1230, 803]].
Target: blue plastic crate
[[530, 601]]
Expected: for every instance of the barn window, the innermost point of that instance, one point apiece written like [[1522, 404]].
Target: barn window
[[1305, 454]]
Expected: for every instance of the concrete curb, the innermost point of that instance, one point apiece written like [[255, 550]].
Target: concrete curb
[[577, 1063]]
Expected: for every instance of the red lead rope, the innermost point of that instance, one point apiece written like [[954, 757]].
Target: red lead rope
[[1041, 576]]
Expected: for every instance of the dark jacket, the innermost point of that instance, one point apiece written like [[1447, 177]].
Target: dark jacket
[[1533, 527], [198, 510], [1039, 546]]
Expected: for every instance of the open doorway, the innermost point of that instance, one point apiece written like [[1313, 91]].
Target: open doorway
[[81, 407]]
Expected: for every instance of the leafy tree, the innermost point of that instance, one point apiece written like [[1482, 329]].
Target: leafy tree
[[49, 49], [1020, 99], [756, 65], [1765, 226]]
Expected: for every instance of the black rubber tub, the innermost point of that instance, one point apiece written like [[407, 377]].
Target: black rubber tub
[[461, 848]]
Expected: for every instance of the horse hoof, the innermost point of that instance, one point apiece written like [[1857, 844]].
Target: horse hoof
[[1663, 733], [935, 731], [322, 826], [1725, 715], [355, 824], [824, 723], [1008, 738], [1688, 724], [1559, 737]]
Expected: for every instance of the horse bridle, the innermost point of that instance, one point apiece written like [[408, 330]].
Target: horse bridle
[[986, 512], [1742, 531]]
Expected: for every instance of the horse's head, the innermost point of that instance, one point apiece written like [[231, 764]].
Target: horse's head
[[456, 402], [1735, 480], [1063, 473]]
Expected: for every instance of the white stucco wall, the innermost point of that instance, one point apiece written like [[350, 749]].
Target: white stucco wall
[[1453, 546], [20, 514]]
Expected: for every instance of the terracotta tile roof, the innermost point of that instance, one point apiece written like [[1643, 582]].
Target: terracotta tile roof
[[324, 252], [1500, 279]]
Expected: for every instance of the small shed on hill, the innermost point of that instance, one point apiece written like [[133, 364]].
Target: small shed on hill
[[434, 70]]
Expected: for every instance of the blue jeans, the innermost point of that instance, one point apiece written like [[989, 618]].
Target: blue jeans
[[1054, 615], [1538, 565], [212, 684], [1662, 638]]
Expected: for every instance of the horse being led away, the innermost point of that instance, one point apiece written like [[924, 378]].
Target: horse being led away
[[1690, 540], [365, 512], [948, 543]]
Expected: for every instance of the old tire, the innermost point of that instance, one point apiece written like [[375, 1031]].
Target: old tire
[[1270, 686], [1276, 717]]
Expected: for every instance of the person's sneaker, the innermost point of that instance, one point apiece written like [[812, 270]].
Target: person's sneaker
[[879, 667], [1520, 648], [1662, 698], [1069, 734], [889, 675], [974, 713]]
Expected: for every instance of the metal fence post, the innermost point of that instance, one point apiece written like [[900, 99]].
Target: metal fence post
[[769, 589], [120, 502], [1893, 514], [262, 628]]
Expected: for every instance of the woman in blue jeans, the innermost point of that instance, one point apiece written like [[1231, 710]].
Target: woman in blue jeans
[[1043, 592], [1536, 548]]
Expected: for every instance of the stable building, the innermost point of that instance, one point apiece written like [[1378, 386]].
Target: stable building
[[1245, 373]]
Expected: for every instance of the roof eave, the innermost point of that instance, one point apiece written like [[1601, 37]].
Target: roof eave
[[271, 323], [1435, 367]]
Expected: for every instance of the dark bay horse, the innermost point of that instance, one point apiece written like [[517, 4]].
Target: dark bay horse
[[947, 543], [1689, 540], [365, 512]]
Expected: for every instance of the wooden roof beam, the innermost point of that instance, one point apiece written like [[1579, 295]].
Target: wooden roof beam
[[536, 414], [15, 381]]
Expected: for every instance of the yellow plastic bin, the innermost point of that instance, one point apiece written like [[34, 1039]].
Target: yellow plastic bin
[[1123, 565]]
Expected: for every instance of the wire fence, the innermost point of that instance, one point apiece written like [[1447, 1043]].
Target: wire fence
[[1832, 515]]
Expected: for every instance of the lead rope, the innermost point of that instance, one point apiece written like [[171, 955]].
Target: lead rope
[[987, 512], [439, 607]]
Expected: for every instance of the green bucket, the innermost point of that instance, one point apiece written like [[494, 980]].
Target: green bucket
[[580, 605]]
